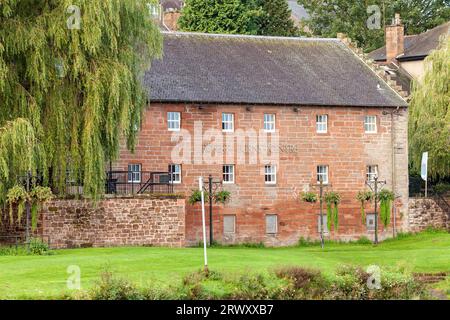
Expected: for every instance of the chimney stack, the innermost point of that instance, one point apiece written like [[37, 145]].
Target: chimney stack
[[395, 37]]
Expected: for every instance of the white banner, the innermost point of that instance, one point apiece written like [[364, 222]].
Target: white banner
[[424, 168]]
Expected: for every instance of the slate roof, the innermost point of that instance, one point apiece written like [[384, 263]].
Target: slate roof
[[231, 69], [417, 46]]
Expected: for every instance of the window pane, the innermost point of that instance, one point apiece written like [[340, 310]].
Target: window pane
[[229, 224], [175, 173], [269, 122], [322, 173], [322, 123], [370, 123], [271, 224], [228, 173]]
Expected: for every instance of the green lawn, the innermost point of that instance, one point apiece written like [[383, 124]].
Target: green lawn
[[45, 276]]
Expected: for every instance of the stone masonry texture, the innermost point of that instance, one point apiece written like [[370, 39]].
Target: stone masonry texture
[[110, 222], [346, 149]]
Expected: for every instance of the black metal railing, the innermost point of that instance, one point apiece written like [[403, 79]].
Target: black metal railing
[[138, 182]]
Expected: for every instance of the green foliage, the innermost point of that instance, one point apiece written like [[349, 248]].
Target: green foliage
[[429, 115], [385, 197], [280, 284], [308, 197], [38, 247], [276, 19], [363, 197], [196, 196], [113, 288], [18, 196], [38, 196], [68, 95], [332, 199], [329, 17], [441, 187], [254, 17], [225, 16], [222, 196]]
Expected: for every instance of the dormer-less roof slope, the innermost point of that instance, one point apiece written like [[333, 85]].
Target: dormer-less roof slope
[[417, 47], [227, 69]]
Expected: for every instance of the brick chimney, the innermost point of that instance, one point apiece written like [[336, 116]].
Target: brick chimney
[[395, 37]]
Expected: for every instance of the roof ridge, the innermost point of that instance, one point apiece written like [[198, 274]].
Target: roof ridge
[[246, 36]]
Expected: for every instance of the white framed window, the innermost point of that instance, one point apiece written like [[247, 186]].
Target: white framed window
[[271, 224], [134, 173], [270, 174], [175, 173], [370, 124], [322, 123], [269, 122], [227, 122], [228, 173], [322, 173], [229, 224], [173, 121], [371, 172], [324, 221], [370, 221]]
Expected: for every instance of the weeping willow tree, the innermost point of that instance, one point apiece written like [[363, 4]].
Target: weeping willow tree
[[70, 86], [429, 126]]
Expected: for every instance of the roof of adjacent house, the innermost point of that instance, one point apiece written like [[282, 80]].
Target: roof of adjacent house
[[416, 46], [298, 12], [235, 69]]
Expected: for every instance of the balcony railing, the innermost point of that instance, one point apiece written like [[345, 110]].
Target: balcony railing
[[138, 182]]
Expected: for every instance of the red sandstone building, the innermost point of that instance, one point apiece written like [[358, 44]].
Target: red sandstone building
[[268, 117]]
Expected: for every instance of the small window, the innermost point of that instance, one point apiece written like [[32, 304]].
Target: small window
[[370, 124], [173, 121], [325, 223], [228, 173], [227, 122], [322, 123], [134, 173], [229, 224], [322, 174], [271, 224], [371, 173], [269, 122], [175, 173], [370, 221], [270, 174]]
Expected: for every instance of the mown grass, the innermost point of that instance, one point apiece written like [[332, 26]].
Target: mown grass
[[40, 277]]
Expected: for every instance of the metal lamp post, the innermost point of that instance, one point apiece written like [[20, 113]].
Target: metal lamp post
[[375, 186], [212, 188]]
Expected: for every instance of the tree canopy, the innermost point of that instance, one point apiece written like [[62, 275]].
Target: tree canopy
[[70, 86], [254, 17], [429, 125], [329, 17]]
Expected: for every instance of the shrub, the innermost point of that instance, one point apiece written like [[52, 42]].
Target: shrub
[[38, 247], [363, 240], [112, 288], [307, 283]]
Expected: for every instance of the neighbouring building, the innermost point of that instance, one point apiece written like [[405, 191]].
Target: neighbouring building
[[403, 55], [269, 117]]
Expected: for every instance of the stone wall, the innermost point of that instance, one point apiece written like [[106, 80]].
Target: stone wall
[[110, 222], [426, 212]]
